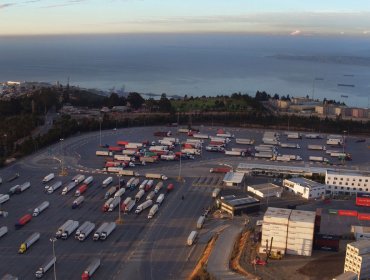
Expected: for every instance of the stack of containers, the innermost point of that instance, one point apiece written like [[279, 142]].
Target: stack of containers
[[358, 258], [275, 225], [300, 233], [318, 220]]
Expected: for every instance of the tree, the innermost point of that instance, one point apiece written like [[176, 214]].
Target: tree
[[135, 100], [164, 104], [113, 100]]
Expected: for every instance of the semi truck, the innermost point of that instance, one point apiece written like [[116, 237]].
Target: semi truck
[[114, 203], [200, 222], [54, 187], [334, 142], [160, 199], [13, 189], [81, 189], [81, 228], [32, 239], [150, 159], [316, 147], [270, 141], [318, 159], [313, 136], [139, 195], [110, 192], [106, 204], [244, 141], [90, 270], [78, 178], [170, 188], [152, 211], [235, 153], [155, 176], [120, 192], [191, 151], [3, 231], [220, 170], [294, 135], [127, 205], [267, 155], [69, 230], [149, 185], [77, 202], [86, 231], [23, 187], [23, 220], [103, 153], [48, 178], [143, 184], [158, 187], [130, 181], [98, 232], [69, 187], [192, 237], [61, 229], [107, 230], [40, 208], [107, 181], [150, 195], [4, 198], [290, 145], [201, 136], [216, 192], [128, 173], [45, 267], [134, 184], [143, 206]]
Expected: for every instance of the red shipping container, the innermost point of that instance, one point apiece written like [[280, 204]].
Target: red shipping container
[[362, 201], [318, 212], [363, 216], [115, 149], [122, 143], [350, 213]]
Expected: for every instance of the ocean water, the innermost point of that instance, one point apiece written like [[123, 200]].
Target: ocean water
[[196, 64]]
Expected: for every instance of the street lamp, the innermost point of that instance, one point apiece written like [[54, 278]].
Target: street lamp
[[62, 171], [179, 177], [52, 240], [100, 119], [119, 221]]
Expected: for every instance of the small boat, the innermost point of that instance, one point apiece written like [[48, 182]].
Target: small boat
[[346, 85], [344, 96]]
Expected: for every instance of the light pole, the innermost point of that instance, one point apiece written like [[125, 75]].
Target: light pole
[[343, 144], [119, 220], [52, 240], [62, 171], [179, 178], [313, 86], [100, 119]]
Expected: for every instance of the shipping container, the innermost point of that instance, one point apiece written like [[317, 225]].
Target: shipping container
[[349, 213], [363, 216], [363, 199]]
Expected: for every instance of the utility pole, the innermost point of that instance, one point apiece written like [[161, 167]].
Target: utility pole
[[119, 221], [54, 268]]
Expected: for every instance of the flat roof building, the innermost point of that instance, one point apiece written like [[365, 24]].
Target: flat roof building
[[306, 188], [275, 170], [347, 183], [237, 205], [265, 190], [232, 179]]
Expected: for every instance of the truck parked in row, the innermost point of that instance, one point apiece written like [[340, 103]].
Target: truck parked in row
[[158, 187], [53, 187], [150, 195], [81, 189], [155, 176], [4, 198], [90, 270], [134, 184], [69, 187], [69, 230], [23, 220], [48, 178], [139, 195], [152, 211], [61, 229], [106, 204], [107, 181], [3, 231], [107, 230], [114, 203], [244, 141], [316, 147], [29, 242], [192, 237], [200, 222], [40, 208], [77, 202], [127, 205], [85, 232], [318, 159], [143, 206], [160, 199], [23, 187], [98, 232], [45, 267], [103, 153], [111, 191]]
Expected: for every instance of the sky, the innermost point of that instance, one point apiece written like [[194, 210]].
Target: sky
[[289, 17]]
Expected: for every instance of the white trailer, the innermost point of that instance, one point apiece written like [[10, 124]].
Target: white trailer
[[158, 187], [4, 198], [103, 153], [23, 187], [129, 182], [290, 145], [122, 157], [54, 187], [191, 151], [3, 231], [78, 201], [192, 237], [225, 135], [78, 178], [294, 135], [86, 231], [40, 208], [235, 153], [129, 152], [244, 141], [150, 195], [81, 228], [267, 155], [98, 232], [334, 142], [110, 192], [61, 229], [90, 270], [316, 147], [143, 184], [139, 195], [143, 206], [168, 157], [160, 199], [114, 204], [282, 158], [69, 187], [107, 181], [45, 267], [200, 222], [107, 230], [318, 159], [69, 230], [270, 141], [152, 211], [13, 189], [201, 136], [313, 136], [48, 178], [88, 180], [120, 192], [129, 206], [114, 169]]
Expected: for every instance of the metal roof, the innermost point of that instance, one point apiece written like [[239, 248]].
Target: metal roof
[[234, 177]]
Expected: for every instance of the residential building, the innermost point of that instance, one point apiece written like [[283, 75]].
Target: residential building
[[306, 188], [347, 183]]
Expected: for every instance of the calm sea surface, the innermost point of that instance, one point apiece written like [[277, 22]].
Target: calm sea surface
[[201, 64]]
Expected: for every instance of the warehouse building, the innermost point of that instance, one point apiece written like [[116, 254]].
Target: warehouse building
[[234, 179], [266, 190], [358, 258], [256, 169], [347, 183], [237, 205], [306, 188]]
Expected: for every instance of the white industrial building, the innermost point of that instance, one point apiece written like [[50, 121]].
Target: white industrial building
[[265, 190], [306, 188], [233, 179], [347, 183], [358, 258]]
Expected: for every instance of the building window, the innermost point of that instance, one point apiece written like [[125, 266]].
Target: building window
[[341, 179], [341, 188], [347, 179], [358, 184], [335, 187], [335, 178], [360, 180], [340, 183], [353, 184], [360, 189], [347, 189], [366, 180], [346, 184]]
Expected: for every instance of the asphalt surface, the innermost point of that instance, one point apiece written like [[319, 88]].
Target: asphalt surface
[[138, 249]]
